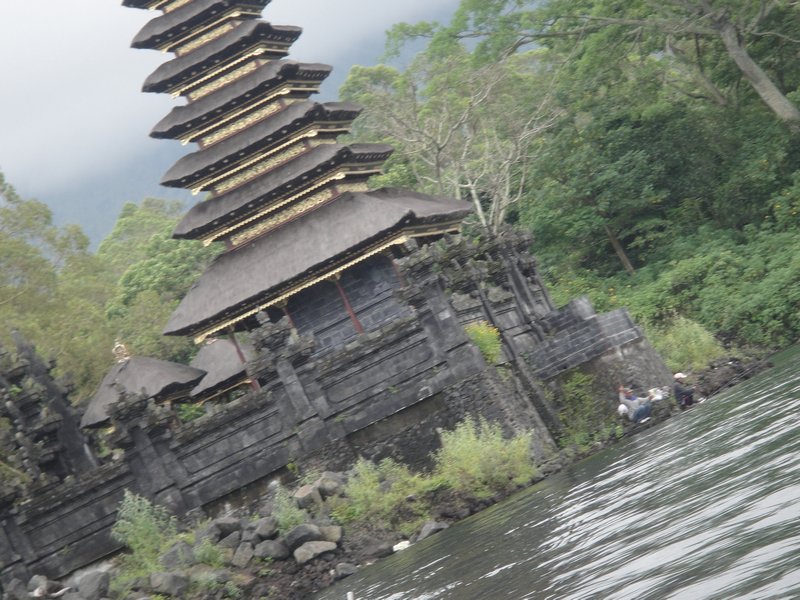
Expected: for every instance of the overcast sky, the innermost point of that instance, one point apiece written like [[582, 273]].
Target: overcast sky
[[73, 122]]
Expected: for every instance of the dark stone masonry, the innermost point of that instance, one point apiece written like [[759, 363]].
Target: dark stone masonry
[[323, 400]]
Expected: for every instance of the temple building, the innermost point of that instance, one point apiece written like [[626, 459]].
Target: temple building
[[305, 237]]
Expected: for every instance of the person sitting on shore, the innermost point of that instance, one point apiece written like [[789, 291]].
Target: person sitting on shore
[[636, 409], [684, 394]]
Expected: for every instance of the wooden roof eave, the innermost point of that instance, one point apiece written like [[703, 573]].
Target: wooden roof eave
[[184, 72], [375, 245], [222, 387], [144, 4], [375, 153], [174, 27], [261, 137], [268, 83]]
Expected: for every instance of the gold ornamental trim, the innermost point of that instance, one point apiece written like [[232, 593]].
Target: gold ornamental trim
[[210, 181], [208, 240], [217, 80], [257, 167], [214, 31], [298, 209], [170, 5], [236, 122]]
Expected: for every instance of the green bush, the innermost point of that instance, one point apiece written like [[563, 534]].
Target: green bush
[[487, 338], [207, 553], [231, 590], [147, 530], [582, 421], [380, 494], [475, 458], [685, 345], [286, 512], [189, 411]]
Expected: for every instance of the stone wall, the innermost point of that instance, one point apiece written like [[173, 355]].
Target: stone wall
[[318, 312], [385, 393], [576, 334]]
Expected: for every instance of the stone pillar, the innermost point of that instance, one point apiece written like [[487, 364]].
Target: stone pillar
[[138, 424], [280, 349]]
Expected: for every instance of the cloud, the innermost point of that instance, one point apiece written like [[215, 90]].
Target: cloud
[[72, 112]]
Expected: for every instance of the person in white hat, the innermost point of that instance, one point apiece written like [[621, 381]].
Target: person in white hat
[[684, 394]]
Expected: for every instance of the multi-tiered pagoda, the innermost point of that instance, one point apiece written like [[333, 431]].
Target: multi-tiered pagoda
[[305, 238]]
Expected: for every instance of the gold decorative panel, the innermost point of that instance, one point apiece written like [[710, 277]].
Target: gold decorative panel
[[217, 82], [283, 216], [260, 167], [304, 206], [220, 233], [170, 6], [240, 124], [202, 40]]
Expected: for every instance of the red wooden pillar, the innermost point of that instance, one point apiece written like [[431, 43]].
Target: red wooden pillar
[[232, 337], [397, 272], [284, 306], [350, 312]]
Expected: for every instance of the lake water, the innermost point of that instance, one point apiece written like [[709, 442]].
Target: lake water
[[705, 506]]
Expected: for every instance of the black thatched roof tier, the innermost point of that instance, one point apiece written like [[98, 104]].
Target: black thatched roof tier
[[246, 279], [157, 379], [145, 4], [234, 96], [232, 45], [259, 137], [227, 209], [224, 369], [164, 30]]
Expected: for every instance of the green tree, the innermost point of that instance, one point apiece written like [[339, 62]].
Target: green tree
[[461, 128], [710, 41], [154, 272]]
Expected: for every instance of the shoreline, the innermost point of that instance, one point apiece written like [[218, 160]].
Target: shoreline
[[255, 560]]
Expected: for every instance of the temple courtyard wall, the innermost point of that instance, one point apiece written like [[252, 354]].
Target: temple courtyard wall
[[384, 393]]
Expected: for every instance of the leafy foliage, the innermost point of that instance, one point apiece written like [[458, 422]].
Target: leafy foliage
[[189, 411], [686, 345], [379, 493], [72, 304], [146, 529], [208, 553], [487, 338], [476, 458], [285, 510], [582, 420], [666, 177]]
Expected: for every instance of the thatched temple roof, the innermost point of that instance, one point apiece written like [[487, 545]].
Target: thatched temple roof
[[159, 32], [260, 137], [270, 75], [155, 378], [192, 66], [243, 279], [215, 213], [223, 366]]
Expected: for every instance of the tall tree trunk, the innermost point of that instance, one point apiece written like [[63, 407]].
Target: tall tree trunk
[[615, 243], [476, 200], [756, 76]]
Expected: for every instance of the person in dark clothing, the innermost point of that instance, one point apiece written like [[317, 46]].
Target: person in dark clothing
[[684, 394]]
